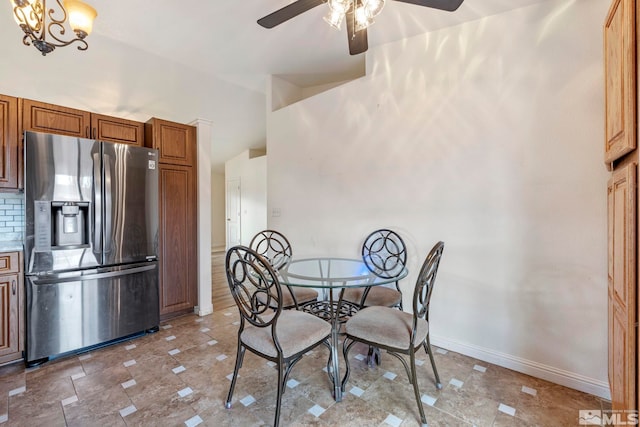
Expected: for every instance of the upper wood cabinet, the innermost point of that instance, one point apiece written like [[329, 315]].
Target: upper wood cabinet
[[112, 129], [620, 80], [176, 142], [49, 118], [10, 145]]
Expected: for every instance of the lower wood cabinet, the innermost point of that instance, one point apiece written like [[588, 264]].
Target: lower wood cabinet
[[11, 307], [178, 257]]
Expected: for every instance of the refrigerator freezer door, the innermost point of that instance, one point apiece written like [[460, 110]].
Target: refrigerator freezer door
[[70, 311], [130, 201], [58, 180]]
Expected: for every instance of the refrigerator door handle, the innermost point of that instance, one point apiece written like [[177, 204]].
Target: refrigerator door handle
[[94, 276], [107, 202], [97, 211]]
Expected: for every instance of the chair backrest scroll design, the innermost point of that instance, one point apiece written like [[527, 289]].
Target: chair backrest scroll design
[[426, 280], [252, 282], [384, 253]]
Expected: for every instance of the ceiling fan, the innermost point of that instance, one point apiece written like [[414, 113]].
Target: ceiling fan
[[357, 13]]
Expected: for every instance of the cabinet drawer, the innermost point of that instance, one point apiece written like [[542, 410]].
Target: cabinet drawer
[[9, 262]]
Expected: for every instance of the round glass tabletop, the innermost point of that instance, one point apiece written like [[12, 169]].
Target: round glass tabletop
[[332, 273]]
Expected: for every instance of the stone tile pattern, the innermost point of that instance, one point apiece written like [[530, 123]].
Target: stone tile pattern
[[11, 217], [139, 383]]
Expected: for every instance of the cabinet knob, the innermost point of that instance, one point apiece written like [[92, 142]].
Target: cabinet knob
[[13, 287]]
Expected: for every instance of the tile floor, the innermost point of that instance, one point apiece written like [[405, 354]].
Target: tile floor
[[180, 376]]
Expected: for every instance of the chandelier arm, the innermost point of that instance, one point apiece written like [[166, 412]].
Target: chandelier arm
[[39, 23]]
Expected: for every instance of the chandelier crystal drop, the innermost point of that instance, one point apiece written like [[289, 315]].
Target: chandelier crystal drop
[[45, 28]]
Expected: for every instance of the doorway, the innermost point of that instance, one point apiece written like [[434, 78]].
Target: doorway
[[233, 212]]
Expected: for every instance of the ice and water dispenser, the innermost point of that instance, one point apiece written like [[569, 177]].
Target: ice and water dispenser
[[60, 225]]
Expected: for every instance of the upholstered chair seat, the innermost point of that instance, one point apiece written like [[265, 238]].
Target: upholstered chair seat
[[386, 326], [378, 295], [296, 331]]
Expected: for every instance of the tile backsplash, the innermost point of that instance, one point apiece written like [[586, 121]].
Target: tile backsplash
[[11, 217]]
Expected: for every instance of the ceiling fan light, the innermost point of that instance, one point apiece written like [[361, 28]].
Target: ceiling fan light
[[373, 7], [340, 6], [334, 19], [362, 18], [81, 17]]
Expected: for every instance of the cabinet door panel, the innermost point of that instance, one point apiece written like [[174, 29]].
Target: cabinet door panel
[[178, 263], [49, 118], [176, 142], [620, 80], [111, 129], [9, 303], [10, 154], [622, 241]]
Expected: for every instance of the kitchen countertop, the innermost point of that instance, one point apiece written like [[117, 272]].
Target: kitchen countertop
[[11, 246]]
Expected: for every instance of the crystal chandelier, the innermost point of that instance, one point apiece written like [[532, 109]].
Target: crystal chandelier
[[363, 12], [45, 28]]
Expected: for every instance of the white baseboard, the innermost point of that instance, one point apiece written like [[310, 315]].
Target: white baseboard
[[204, 310], [535, 369]]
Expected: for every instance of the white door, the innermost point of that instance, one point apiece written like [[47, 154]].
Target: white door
[[233, 212]]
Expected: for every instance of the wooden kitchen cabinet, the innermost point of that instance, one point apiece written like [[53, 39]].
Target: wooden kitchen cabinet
[[10, 145], [620, 80], [174, 141], [49, 118], [11, 307], [178, 258], [621, 157], [113, 129], [178, 240]]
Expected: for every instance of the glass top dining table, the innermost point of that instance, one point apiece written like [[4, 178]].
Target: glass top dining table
[[332, 276]]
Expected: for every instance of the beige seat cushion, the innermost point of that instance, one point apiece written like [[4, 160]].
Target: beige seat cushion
[[296, 330], [378, 295], [386, 326]]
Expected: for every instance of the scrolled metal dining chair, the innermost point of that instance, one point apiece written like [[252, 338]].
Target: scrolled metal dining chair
[[385, 254], [281, 336], [398, 332], [275, 247]]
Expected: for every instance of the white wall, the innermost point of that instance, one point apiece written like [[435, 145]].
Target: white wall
[[252, 172], [487, 136], [218, 215]]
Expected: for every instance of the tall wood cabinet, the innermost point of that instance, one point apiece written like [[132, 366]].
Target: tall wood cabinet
[[11, 307], [10, 146], [178, 214], [621, 157]]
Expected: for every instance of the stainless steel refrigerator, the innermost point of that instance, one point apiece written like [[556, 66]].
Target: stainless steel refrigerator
[[91, 243]]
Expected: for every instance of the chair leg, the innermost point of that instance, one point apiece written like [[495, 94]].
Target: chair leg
[[281, 379], [374, 356], [427, 347], [239, 358], [416, 389]]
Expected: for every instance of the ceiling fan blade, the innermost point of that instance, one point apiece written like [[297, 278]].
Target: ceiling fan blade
[[448, 5], [358, 40], [288, 12]]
